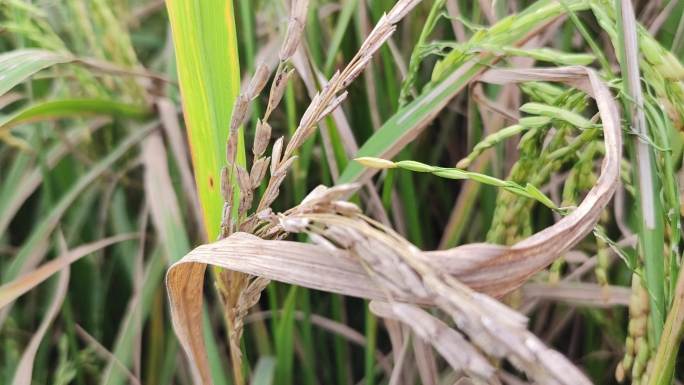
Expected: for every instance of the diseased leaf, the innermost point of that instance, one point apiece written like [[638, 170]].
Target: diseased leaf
[[209, 76], [492, 269]]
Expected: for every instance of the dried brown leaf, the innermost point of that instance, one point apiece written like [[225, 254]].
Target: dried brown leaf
[[16, 288], [455, 349], [164, 208], [168, 116], [581, 294], [402, 273]]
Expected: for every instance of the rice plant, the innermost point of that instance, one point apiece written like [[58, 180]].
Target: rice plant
[[341, 192]]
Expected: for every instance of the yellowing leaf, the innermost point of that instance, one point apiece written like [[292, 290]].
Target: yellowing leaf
[[209, 76]]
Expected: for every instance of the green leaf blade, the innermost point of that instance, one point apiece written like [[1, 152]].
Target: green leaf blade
[[209, 75], [18, 65]]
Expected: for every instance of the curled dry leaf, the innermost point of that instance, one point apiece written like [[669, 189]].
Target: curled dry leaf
[[398, 269], [358, 257]]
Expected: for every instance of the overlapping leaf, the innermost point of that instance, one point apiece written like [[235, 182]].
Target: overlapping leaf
[[491, 269]]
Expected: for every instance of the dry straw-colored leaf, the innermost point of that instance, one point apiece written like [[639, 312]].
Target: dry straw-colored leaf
[[24, 371], [164, 209], [23, 284], [579, 294], [396, 267], [455, 349], [425, 362], [358, 257], [168, 115]]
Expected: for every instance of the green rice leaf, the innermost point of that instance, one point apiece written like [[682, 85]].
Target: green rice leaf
[[54, 109], [209, 75], [17, 66]]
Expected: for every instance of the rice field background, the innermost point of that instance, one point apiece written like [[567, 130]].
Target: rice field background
[[341, 192]]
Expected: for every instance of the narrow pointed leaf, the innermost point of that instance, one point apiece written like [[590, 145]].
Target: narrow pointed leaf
[[55, 109], [208, 71], [16, 66]]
